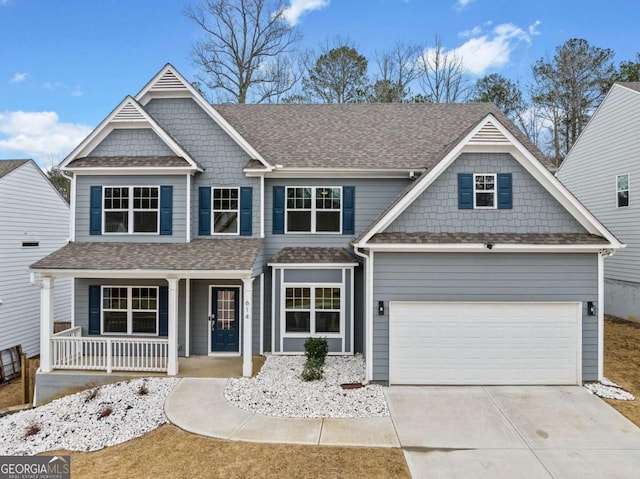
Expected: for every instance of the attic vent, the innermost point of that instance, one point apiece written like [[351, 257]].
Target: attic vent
[[168, 81], [30, 244], [489, 134], [128, 113]]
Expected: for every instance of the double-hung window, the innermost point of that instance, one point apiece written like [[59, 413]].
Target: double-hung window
[[131, 209], [622, 190], [484, 191], [130, 310], [314, 209], [225, 211], [312, 310]]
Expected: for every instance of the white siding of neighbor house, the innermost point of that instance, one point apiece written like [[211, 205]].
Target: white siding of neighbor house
[[30, 210], [610, 146]]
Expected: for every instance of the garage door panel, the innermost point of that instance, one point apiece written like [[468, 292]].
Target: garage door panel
[[484, 343]]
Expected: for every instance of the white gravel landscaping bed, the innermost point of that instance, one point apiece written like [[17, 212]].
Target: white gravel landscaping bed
[[610, 390], [73, 422], [278, 390]]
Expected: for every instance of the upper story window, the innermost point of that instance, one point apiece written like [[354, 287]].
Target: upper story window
[[622, 190], [314, 209], [225, 211], [131, 209], [484, 191]]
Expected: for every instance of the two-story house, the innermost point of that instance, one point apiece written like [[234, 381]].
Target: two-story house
[[431, 238], [601, 170], [34, 222]]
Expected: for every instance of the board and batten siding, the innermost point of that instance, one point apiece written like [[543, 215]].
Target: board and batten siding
[[219, 155], [609, 146], [485, 277], [534, 209], [32, 211], [82, 302], [179, 211]]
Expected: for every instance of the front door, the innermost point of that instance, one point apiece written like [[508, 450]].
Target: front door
[[224, 319]]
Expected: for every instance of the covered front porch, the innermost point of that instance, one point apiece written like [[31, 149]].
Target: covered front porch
[[143, 318]]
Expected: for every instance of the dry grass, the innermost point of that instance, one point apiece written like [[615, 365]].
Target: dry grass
[[622, 363], [172, 452], [10, 394]]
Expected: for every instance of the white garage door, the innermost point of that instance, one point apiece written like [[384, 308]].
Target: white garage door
[[484, 343]]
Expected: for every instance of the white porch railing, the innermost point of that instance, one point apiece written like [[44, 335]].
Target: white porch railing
[[70, 350]]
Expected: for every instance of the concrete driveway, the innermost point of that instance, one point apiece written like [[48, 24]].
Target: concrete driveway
[[512, 432]]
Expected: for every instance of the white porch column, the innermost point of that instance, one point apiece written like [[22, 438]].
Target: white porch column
[[172, 333], [247, 329], [46, 323]]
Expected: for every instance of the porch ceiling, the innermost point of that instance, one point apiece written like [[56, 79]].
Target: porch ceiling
[[238, 254]]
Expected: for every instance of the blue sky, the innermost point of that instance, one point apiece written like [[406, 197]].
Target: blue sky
[[65, 64]]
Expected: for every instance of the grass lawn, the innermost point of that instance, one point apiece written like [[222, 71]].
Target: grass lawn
[[622, 363], [171, 452]]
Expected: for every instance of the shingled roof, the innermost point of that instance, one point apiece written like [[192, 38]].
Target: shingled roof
[[128, 162], [633, 85], [236, 254], [496, 238], [372, 135], [7, 166], [307, 255]]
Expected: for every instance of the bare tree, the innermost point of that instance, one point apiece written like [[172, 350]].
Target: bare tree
[[242, 48], [397, 69], [444, 78]]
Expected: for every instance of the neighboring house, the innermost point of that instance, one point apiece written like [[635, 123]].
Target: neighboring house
[[431, 238], [602, 170], [34, 222]]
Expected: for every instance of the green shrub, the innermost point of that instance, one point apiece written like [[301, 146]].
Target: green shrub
[[313, 370], [316, 348]]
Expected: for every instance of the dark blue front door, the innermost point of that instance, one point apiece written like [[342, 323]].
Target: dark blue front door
[[224, 319]]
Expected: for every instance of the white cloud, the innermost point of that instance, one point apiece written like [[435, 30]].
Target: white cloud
[[461, 4], [39, 135], [18, 77], [72, 90], [299, 7], [492, 49]]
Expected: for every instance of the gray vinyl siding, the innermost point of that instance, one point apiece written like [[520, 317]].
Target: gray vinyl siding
[[83, 191], [622, 299], [221, 157], [609, 147], [314, 277], [82, 301], [484, 277], [132, 142], [534, 209], [30, 210]]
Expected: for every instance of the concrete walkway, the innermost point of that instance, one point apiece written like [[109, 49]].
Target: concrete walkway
[[198, 405]]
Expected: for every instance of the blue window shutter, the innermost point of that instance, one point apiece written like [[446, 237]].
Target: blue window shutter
[[246, 211], [204, 209], [348, 209], [163, 310], [465, 191], [166, 210], [505, 191], [95, 211], [94, 310], [278, 210]]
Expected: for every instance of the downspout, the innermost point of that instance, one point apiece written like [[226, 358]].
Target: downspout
[[368, 294], [601, 255]]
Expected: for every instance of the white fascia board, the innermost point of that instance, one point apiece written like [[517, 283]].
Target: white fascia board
[[141, 170], [481, 247], [143, 274], [146, 95], [338, 172], [313, 265]]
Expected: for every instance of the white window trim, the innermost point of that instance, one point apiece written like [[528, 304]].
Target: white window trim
[[129, 310], [130, 210], [313, 211], [213, 221], [628, 190], [495, 192], [312, 316]]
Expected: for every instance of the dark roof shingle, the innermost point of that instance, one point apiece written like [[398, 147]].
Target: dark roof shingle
[[128, 162], [633, 85], [496, 238], [7, 166], [306, 255], [236, 254]]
